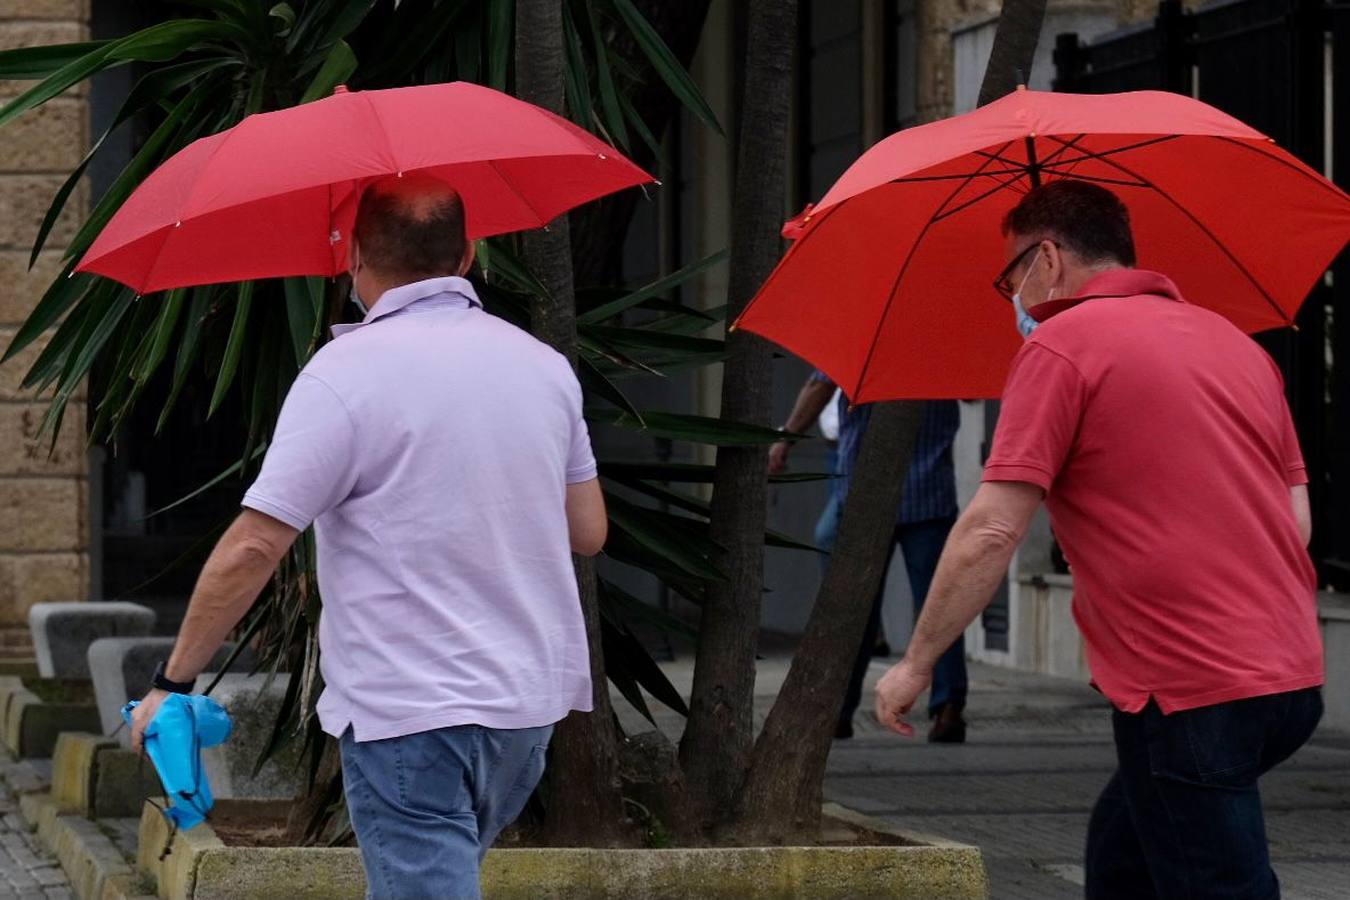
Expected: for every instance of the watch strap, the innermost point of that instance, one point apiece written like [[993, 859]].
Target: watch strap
[[163, 683]]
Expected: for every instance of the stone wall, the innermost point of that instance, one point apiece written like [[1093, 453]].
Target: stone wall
[[43, 491]]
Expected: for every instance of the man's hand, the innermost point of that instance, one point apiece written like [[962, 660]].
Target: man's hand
[[896, 692], [143, 714], [778, 457]]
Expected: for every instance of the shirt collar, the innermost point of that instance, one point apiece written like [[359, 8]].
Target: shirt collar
[[458, 291], [1112, 283]]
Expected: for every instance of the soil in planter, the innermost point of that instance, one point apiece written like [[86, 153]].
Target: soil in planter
[[262, 823], [251, 823], [61, 690]]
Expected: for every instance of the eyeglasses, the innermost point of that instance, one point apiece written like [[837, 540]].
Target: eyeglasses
[[1003, 283]]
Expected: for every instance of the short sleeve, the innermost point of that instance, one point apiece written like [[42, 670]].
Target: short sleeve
[[581, 465], [1042, 407], [1295, 470], [310, 465]]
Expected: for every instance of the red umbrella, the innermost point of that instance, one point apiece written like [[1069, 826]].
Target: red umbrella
[[276, 194], [888, 288]]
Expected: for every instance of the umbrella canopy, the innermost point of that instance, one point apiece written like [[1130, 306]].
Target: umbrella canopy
[[276, 195], [888, 287]]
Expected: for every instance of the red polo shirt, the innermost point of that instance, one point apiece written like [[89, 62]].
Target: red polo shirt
[[1161, 436]]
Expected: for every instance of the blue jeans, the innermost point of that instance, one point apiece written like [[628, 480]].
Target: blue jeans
[[1181, 817], [921, 543], [426, 807]]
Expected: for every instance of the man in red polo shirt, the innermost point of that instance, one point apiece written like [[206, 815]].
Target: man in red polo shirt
[[1159, 437]]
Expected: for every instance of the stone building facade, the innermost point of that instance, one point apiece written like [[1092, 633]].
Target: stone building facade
[[44, 533]]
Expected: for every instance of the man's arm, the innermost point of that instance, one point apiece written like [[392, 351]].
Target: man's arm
[[975, 559], [810, 403], [231, 580], [1298, 495], [587, 522]]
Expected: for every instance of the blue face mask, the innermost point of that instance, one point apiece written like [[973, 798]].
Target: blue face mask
[[1025, 323], [356, 299]]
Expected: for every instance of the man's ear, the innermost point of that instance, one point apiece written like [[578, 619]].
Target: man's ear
[[466, 261], [353, 254]]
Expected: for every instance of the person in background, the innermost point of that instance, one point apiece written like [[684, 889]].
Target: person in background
[[927, 511], [441, 455], [1159, 437]]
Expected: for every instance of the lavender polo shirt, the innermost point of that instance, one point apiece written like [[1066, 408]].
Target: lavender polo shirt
[[431, 446]]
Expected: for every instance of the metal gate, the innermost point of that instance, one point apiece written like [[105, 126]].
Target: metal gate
[[1282, 66]]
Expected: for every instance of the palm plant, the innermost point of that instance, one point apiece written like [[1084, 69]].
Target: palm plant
[[204, 72]]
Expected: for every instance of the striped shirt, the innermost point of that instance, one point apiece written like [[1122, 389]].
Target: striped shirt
[[930, 483]]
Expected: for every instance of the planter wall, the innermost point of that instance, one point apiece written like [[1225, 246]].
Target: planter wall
[[32, 724], [201, 867]]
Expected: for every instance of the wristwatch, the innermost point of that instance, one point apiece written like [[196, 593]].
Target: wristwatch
[[173, 687]]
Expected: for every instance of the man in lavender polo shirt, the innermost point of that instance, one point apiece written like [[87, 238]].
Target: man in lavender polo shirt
[[441, 455]]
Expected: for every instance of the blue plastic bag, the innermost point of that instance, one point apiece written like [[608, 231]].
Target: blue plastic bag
[[174, 740]]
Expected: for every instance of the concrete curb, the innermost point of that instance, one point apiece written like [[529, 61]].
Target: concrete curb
[[200, 867]]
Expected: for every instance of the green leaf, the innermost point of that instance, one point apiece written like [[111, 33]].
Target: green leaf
[[655, 289], [621, 655], [304, 303], [58, 82], [501, 18], [634, 118], [97, 331], [188, 346], [702, 507], [343, 23], [145, 160], [659, 349], [609, 96], [33, 63], [60, 295], [337, 67], [698, 429], [496, 258], [690, 473], [630, 607], [149, 91], [578, 80], [165, 325], [666, 65], [627, 651], [285, 13], [234, 346], [594, 381], [656, 534], [168, 40]]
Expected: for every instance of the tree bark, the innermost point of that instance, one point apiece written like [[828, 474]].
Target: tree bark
[[1015, 39], [582, 799], [715, 749], [782, 793]]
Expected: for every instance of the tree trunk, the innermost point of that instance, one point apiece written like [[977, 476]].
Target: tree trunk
[[782, 792], [582, 799], [715, 750], [1015, 39]]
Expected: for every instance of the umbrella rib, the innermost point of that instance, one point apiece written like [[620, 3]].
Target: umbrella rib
[[1206, 231], [1320, 180], [543, 223], [904, 268]]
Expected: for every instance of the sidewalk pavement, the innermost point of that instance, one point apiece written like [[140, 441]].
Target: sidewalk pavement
[[1038, 753]]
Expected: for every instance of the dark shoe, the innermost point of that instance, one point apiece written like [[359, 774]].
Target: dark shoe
[[949, 727], [881, 649], [844, 730]]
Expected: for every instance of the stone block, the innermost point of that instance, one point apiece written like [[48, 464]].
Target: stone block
[[23, 204], [123, 780], [24, 452], [20, 290], [34, 34], [51, 138], [52, 10], [39, 578], [41, 514], [253, 706], [63, 632], [1334, 615], [121, 669], [73, 770], [32, 724], [174, 873]]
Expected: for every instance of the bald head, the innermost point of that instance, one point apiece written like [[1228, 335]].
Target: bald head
[[410, 229]]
